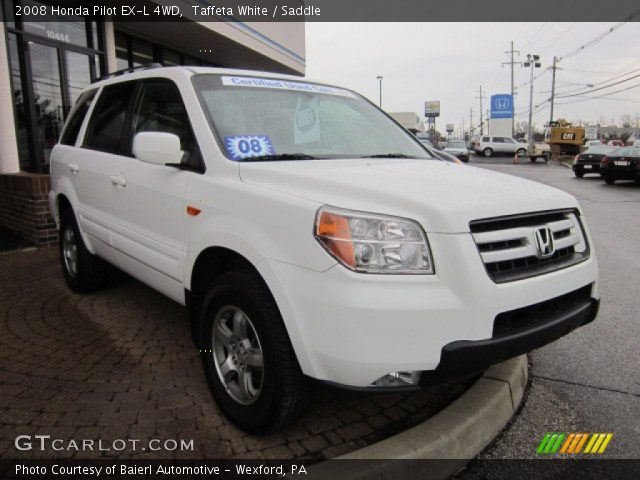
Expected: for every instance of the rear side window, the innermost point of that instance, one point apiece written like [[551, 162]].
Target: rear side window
[[76, 117], [485, 139], [105, 130]]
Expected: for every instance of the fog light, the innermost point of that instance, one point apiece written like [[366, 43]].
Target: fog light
[[398, 379]]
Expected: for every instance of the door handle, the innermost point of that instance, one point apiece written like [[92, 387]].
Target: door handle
[[118, 180], [74, 168]]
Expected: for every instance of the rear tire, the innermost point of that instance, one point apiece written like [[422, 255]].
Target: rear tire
[[257, 396], [609, 180], [487, 152], [579, 173], [83, 271]]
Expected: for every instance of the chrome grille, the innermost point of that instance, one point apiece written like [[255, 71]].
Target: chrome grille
[[510, 249]]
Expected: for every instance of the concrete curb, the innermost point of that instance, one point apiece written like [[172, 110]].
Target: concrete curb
[[460, 431]]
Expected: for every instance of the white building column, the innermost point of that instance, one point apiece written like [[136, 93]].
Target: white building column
[[110, 45], [9, 161]]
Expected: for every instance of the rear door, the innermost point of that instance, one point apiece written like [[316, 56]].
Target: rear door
[[102, 145], [498, 144], [148, 200]]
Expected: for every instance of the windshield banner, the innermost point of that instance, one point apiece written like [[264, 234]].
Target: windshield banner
[[257, 82]]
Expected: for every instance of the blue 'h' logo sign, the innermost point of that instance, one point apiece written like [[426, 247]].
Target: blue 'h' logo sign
[[501, 106]]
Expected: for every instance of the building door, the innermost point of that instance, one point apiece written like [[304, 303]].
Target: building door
[[58, 77], [48, 103]]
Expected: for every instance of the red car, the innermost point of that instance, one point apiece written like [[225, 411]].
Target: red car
[[616, 143]]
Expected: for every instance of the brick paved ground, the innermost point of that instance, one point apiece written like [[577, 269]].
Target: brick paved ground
[[120, 364]]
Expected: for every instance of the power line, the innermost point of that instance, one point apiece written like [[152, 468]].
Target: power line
[[599, 88], [598, 39]]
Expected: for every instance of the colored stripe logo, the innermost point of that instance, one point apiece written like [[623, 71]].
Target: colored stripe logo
[[574, 443]]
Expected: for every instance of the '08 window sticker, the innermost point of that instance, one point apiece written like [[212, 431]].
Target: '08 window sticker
[[240, 147]]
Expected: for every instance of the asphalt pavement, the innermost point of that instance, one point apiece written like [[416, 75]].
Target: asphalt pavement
[[589, 380]]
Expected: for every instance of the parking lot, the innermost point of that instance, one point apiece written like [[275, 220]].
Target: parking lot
[[120, 364], [588, 381]]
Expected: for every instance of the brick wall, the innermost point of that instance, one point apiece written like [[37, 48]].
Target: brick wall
[[24, 207]]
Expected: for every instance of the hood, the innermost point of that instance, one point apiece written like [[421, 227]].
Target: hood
[[444, 197]]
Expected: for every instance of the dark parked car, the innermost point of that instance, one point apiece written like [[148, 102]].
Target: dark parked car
[[621, 164], [589, 160]]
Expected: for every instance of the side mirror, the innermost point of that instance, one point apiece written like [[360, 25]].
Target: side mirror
[[158, 148]]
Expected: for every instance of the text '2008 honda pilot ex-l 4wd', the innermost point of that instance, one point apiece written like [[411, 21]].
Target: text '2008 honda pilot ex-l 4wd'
[[310, 236]]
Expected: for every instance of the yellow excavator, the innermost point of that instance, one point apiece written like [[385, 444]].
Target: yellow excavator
[[564, 138]]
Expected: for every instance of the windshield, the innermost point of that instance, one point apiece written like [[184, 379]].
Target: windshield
[[456, 145], [271, 119]]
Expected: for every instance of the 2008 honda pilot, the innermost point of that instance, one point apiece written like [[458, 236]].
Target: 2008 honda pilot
[[310, 236]]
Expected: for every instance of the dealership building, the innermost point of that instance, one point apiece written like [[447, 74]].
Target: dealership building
[[44, 65]]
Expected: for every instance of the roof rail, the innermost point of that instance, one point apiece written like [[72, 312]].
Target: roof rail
[[117, 73]]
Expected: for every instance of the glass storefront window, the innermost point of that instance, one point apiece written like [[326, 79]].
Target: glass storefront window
[[78, 74], [47, 93], [67, 29], [170, 58], [141, 52], [21, 119], [9, 13], [122, 55]]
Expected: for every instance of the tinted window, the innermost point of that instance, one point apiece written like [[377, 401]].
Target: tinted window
[[498, 140], [108, 119], [509, 140], [76, 118], [485, 139], [160, 109]]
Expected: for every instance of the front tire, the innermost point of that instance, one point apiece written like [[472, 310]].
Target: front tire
[[83, 271], [247, 356]]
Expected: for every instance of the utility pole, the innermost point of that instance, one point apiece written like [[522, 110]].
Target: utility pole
[[379, 77], [532, 63], [511, 63], [553, 89], [481, 120], [470, 123]]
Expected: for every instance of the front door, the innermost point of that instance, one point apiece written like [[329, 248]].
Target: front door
[[147, 201]]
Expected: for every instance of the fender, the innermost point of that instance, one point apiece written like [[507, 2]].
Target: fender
[[64, 188]]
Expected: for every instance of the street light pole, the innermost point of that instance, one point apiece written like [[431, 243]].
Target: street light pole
[[553, 90], [379, 77], [532, 62]]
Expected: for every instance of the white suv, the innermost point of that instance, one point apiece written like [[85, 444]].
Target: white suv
[[489, 146], [311, 236]]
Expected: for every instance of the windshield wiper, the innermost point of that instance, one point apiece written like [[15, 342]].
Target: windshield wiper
[[282, 156], [389, 155]]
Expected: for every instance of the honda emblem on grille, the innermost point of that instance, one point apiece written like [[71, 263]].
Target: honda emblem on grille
[[544, 242]]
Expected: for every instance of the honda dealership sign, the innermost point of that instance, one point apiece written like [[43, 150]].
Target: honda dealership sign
[[502, 106]]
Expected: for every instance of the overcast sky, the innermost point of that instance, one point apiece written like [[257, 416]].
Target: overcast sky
[[449, 62]]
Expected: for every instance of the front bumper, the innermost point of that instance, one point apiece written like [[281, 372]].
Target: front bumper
[[462, 359], [352, 329]]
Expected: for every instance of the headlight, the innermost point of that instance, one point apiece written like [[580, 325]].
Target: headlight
[[371, 243]]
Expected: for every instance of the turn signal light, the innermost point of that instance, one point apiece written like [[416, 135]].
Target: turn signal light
[[335, 233]]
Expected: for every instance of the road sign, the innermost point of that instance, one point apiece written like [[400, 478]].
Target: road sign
[[432, 108], [502, 106]]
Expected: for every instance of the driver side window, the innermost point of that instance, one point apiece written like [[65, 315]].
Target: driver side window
[[159, 108]]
